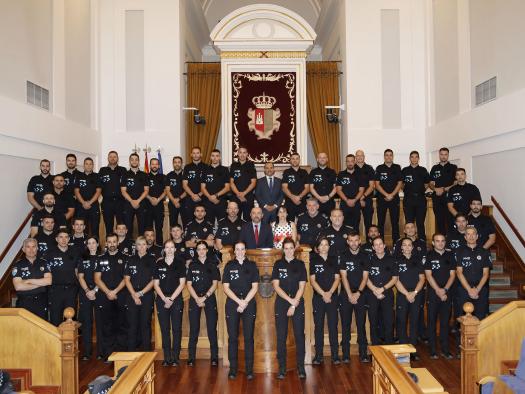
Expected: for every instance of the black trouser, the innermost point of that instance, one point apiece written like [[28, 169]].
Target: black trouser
[[245, 207], [368, 212], [60, 297], [408, 310], [170, 322], [346, 308], [422, 329], [36, 304], [194, 315], [352, 215], [139, 320], [155, 214], [481, 305], [114, 323], [91, 217], [294, 210], [415, 210], [281, 326], [441, 309], [175, 213], [326, 207], [86, 311], [386, 307], [320, 309], [112, 208], [129, 213], [393, 209], [441, 213], [248, 324], [215, 211]]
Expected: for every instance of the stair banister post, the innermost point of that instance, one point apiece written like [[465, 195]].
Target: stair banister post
[[69, 352], [469, 350]]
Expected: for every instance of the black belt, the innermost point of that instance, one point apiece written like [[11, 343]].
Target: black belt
[[31, 296], [64, 286]]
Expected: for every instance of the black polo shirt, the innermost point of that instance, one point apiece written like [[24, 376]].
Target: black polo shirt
[[174, 181], [87, 266], [354, 265], [78, 243], [484, 225], [140, 270], [215, 178], [462, 195], [198, 230], [63, 201], [382, 270], [168, 275], [440, 265], [87, 185], [309, 227], [337, 238], [45, 242], [242, 174], [367, 248], [70, 180], [473, 260], [414, 180], [201, 275], [227, 231], [295, 180], [110, 180], [455, 239], [24, 269], [324, 270], [127, 247], [38, 185], [111, 268], [420, 247], [134, 182], [388, 177], [368, 174], [409, 270], [155, 251], [289, 274], [443, 175], [323, 180], [192, 174], [350, 182], [240, 277], [157, 184], [63, 265], [182, 253]]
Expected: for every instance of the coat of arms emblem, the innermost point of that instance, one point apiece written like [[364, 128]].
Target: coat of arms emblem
[[263, 119]]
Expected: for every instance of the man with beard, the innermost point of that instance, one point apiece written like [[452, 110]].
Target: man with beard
[[229, 228], [191, 183], [243, 179], [45, 236], [154, 202], [39, 185], [49, 210], [371, 234], [310, 223], [368, 174], [64, 201], [215, 185], [134, 187], [442, 178], [87, 192], [70, 174], [483, 223], [461, 194], [336, 233], [174, 191], [112, 201], [350, 187], [295, 187], [322, 181], [125, 244], [154, 249]]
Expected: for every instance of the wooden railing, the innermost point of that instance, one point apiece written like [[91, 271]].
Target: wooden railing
[[509, 221], [51, 353], [15, 236]]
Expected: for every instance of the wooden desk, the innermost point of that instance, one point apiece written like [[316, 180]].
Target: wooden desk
[[426, 382]]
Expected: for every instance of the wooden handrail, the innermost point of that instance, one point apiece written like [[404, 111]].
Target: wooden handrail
[[500, 313], [509, 222], [15, 236], [138, 376], [396, 374], [31, 318]]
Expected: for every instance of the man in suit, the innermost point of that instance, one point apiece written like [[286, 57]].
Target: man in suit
[[256, 234], [269, 193]]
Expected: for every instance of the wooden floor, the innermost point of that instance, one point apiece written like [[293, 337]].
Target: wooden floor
[[355, 378]]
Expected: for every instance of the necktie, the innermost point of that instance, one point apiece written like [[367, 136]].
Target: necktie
[[256, 233], [271, 183]]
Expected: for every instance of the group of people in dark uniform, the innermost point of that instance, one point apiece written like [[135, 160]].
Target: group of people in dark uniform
[[118, 286]]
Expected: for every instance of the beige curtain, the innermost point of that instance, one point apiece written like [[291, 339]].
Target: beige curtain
[[204, 92], [322, 88]]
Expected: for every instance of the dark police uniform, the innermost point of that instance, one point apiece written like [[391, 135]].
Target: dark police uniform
[[214, 179], [367, 248], [355, 266], [440, 265], [228, 232], [63, 201], [455, 239], [408, 272], [78, 244], [157, 184], [169, 276], [112, 200], [240, 278], [295, 180], [70, 179], [419, 244], [201, 276], [414, 199], [35, 301], [483, 225], [381, 272], [350, 183], [127, 247], [39, 186], [323, 181], [174, 181], [87, 308], [64, 288], [242, 175], [309, 227], [324, 272], [443, 176], [87, 185], [112, 312], [473, 260], [135, 182], [289, 274], [45, 242], [368, 174], [192, 174], [140, 273], [337, 238], [155, 251], [462, 195], [388, 178], [58, 216], [199, 231]]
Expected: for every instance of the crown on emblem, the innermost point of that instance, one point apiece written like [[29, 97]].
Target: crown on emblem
[[264, 101]]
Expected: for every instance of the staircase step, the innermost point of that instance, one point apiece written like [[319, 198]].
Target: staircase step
[[499, 279], [497, 267], [493, 255], [494, 307], [497, 292]]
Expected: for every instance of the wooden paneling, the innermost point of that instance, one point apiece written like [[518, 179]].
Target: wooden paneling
[[139, 376]]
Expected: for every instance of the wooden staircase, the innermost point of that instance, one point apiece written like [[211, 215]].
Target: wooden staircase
[[502, 288]]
